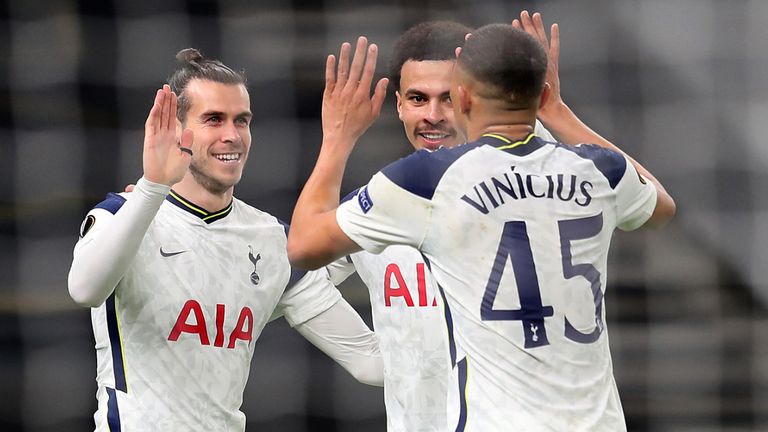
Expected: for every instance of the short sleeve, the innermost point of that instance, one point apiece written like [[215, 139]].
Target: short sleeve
[[635, 200], [340, 269], [310, 296], [383, 214]]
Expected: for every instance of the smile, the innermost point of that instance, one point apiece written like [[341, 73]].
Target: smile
[[433, 136], [228, 157]]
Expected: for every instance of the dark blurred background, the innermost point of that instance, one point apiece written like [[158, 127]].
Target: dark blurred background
[[679, 84]]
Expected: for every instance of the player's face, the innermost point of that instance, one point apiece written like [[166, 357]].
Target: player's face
[[220, 118], [424, 104]]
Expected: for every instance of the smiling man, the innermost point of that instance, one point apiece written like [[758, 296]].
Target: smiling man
[[182, 276]]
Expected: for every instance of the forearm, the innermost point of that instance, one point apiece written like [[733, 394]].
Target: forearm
[[342, 335], [103, 255], [314, 211]]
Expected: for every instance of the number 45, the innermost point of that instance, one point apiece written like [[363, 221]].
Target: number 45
[[516, 246]]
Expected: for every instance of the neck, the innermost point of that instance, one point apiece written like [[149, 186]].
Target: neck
[[191, 190], [490, 116], [514, 126]]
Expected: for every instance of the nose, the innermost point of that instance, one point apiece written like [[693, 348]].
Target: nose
[[230, 133], [434, 113]]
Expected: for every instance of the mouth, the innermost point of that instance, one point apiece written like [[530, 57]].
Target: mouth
[[434, 138], [228, 157]]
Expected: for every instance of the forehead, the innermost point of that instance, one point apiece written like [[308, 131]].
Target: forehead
[[207, 95], [426, 76]]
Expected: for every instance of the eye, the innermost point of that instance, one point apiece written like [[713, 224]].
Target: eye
[[215, 120], [243, 121], [417, 99]]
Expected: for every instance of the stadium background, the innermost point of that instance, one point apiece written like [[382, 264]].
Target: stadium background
[[679, 84]]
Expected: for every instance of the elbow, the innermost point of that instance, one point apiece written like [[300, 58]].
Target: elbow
[[81, 292], [665, 211], [370, 373], [301, 258]]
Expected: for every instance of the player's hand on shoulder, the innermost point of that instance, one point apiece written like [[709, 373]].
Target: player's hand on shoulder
[[166, 157], [348, 107]]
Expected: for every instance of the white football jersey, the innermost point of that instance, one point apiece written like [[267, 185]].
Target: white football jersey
[[175, 339], [517, 237], [409, 321]]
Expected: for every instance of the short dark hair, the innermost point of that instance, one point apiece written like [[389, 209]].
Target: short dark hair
[[429, 40], [510, 64], [192, 65]]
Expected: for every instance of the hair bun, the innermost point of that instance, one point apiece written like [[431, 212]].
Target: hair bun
[[189, 55]]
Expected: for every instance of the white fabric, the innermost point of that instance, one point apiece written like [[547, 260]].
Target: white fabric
[[559, 385], [342, 334], [408, 318], [413, 335], [186, 322]]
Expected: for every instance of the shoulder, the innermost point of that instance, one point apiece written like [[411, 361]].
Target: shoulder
[[253, 216], [611, 164], [113, 202], [420, 173]]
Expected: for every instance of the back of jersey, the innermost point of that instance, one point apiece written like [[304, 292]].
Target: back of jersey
[[519, 244], [516, 235]]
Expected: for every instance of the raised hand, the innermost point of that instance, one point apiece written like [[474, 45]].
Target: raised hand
[[534, 26], [166, 160], [348, 107]]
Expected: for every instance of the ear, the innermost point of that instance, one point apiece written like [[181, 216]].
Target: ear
[[546, 92], [465, 99], [399, 105]]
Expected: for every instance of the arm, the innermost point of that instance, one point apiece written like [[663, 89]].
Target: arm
[[108, 242], [564, 123], [315, 238], [340, 333], [315, 308], [341, 269]]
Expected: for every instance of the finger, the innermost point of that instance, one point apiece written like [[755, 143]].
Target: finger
[[529, 27], [516, 24], [538, 25], [153, 119], [343, 71], [554, 47], [458, 51], [358, 61], [330, 76], [154, 114], [186, 142], [467, 36], [525, 20], [379, 94], [172, 112], [369, 69], [166, 111]]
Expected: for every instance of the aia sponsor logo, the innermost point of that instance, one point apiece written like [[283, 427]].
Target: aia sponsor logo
[[395, 286], [192, 320]]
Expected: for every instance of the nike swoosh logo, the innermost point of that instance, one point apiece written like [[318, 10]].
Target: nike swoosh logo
[[169, 254]]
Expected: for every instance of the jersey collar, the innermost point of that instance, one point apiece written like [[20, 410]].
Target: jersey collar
[[519, 148], [189, 207]]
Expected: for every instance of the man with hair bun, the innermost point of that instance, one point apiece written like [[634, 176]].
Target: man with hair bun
[[181, 276], [515, 230]]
